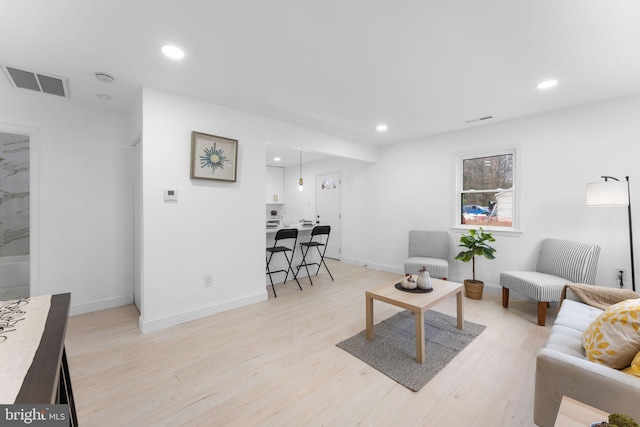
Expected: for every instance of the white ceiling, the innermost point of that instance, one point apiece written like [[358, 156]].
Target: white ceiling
[[341, 67], [291, 156]]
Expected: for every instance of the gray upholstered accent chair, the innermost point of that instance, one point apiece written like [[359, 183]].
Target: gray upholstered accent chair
[[429, 249], [559, 262]]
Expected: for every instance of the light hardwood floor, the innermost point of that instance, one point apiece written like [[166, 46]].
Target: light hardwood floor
[[275, 363]]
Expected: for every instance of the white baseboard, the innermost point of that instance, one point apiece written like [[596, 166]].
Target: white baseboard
[[152, 325], [381, 267], [88, 307], [493, 289]]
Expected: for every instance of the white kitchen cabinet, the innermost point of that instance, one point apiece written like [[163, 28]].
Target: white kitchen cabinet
[[275, 185]]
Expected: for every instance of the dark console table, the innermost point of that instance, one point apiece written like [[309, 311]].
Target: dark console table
[[48, 380]]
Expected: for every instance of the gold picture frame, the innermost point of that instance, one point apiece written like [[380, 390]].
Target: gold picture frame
[[213, 157]]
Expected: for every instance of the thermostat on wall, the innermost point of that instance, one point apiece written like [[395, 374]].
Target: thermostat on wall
[[170, 195]]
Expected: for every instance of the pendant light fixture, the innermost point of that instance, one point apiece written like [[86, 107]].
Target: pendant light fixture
[[300, 182]]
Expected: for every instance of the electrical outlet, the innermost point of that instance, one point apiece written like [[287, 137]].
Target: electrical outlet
[[625, 274], [208, 281]]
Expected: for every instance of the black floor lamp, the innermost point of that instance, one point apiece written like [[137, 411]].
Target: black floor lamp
[[613, 193]]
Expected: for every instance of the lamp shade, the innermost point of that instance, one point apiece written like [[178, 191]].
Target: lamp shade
[[608, 193]]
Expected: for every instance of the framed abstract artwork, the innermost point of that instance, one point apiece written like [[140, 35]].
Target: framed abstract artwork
[[213, 157]]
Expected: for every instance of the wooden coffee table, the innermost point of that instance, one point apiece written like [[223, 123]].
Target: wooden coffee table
[[418, 303], [573, 413]]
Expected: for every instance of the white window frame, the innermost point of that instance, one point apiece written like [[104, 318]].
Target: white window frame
[[458, 160]]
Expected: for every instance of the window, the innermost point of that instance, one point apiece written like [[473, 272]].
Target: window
[[328, 184], [486, 195]]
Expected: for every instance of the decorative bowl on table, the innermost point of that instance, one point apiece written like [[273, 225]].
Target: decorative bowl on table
[[409, 284]]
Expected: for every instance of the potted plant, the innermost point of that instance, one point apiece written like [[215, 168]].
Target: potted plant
[[476, 244]]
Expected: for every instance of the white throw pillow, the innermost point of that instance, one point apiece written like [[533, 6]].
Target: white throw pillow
[[613, 338]]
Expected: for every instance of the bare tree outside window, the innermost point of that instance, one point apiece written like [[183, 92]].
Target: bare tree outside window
[[487, 191]]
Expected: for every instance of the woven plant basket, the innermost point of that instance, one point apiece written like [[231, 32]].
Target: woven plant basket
[[473, 289]]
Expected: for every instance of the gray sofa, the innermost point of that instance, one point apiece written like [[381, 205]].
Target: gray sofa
[[562, 370]]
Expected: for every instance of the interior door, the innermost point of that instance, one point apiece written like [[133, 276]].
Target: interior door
[[329, 209]]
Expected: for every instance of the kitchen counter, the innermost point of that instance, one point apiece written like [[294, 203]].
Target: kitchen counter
[[301, 228]]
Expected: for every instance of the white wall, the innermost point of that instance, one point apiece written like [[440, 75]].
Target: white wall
[[303, 205], [411, 187], [215, 227], [137, 143], [82, 212]]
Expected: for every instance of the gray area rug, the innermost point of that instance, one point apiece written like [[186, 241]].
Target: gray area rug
[[392, 351]]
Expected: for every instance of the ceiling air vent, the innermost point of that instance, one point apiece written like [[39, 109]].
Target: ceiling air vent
[[45, 83]]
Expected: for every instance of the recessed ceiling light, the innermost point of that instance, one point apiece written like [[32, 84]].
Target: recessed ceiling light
[[103, 96], [173, 52], [276, 159], [547, 84], [382, 128]]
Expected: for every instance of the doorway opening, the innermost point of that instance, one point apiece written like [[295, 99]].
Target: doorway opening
[[15, 230]]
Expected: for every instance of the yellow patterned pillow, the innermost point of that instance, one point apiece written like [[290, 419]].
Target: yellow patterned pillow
[[613, 338], [634, 369]]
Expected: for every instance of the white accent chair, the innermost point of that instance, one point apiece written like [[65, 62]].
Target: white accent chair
[[559, 262], [429, 249]]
